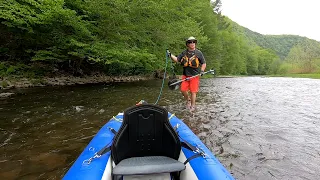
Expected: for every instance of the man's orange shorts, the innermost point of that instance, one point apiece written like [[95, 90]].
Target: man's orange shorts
[[192, 84]]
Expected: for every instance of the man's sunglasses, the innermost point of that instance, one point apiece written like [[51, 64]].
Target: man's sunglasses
[[189, 42]]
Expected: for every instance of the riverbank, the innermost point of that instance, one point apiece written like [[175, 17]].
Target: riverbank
[[63, 80]]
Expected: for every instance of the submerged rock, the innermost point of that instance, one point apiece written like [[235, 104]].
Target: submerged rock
[[79, 108], [5, 95]]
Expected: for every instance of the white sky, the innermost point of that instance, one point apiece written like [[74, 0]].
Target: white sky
[[276, 17]]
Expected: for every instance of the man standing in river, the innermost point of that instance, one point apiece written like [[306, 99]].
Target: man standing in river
[[193, 63]]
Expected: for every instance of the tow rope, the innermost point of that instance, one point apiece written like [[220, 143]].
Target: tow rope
[[164, 77]]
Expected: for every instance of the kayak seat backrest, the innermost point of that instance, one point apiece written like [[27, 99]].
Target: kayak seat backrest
[[145, 131], [146, 137]]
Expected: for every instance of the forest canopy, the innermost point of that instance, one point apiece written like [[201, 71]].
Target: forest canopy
[[124, 37]]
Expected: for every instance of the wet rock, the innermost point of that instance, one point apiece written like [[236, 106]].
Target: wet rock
[[101, 111], [221, 150], [202, 134], [78, 108], [5, 95], [206, 126], [230, 166]]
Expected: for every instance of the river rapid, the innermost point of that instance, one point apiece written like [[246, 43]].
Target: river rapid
[[259, 128]]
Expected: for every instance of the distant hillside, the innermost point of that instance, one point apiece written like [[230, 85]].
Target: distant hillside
[[297, 54], [282, 45]]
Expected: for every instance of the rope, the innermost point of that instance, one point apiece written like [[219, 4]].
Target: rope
[[164, 77], [172, 69]]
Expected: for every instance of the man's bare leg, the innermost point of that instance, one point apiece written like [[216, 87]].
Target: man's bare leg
[[185, 95], [187, 98], [193, 99]]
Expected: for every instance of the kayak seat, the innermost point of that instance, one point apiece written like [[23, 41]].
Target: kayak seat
[[148, 165], [146, 143]]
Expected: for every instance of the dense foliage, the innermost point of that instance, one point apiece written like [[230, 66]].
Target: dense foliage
[[124, 37], [297, 54]]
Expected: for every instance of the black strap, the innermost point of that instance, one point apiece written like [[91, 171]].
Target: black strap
[[192, 157], [112, 130], [107, 148], [184, 143], [190, 147], [104, 150]]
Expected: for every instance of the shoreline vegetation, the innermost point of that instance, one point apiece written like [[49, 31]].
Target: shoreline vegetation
[[64, 42]]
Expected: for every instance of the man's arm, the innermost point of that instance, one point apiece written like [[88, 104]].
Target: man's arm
[[174, 58], [203, 67], [202, 61]]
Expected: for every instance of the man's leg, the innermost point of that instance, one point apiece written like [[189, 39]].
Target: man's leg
[[194, 88], [193, 99], [185, 95], [184, 90], [187, 98]]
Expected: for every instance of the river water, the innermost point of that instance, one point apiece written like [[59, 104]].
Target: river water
[[259, 128]]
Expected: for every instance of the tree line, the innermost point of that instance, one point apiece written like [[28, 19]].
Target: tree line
[[296, 54], [122, 37]]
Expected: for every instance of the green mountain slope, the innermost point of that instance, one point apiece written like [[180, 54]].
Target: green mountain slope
[[297, 54], [281, 44]]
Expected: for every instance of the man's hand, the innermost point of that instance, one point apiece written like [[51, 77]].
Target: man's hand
[[202, 73], [168, 53]]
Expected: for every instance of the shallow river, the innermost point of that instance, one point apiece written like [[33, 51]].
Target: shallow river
[[259, 128]]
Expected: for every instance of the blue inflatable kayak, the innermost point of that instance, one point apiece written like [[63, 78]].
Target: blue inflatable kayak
[[146, 142]]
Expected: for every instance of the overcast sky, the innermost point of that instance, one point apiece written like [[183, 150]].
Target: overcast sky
[[276, 17]]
